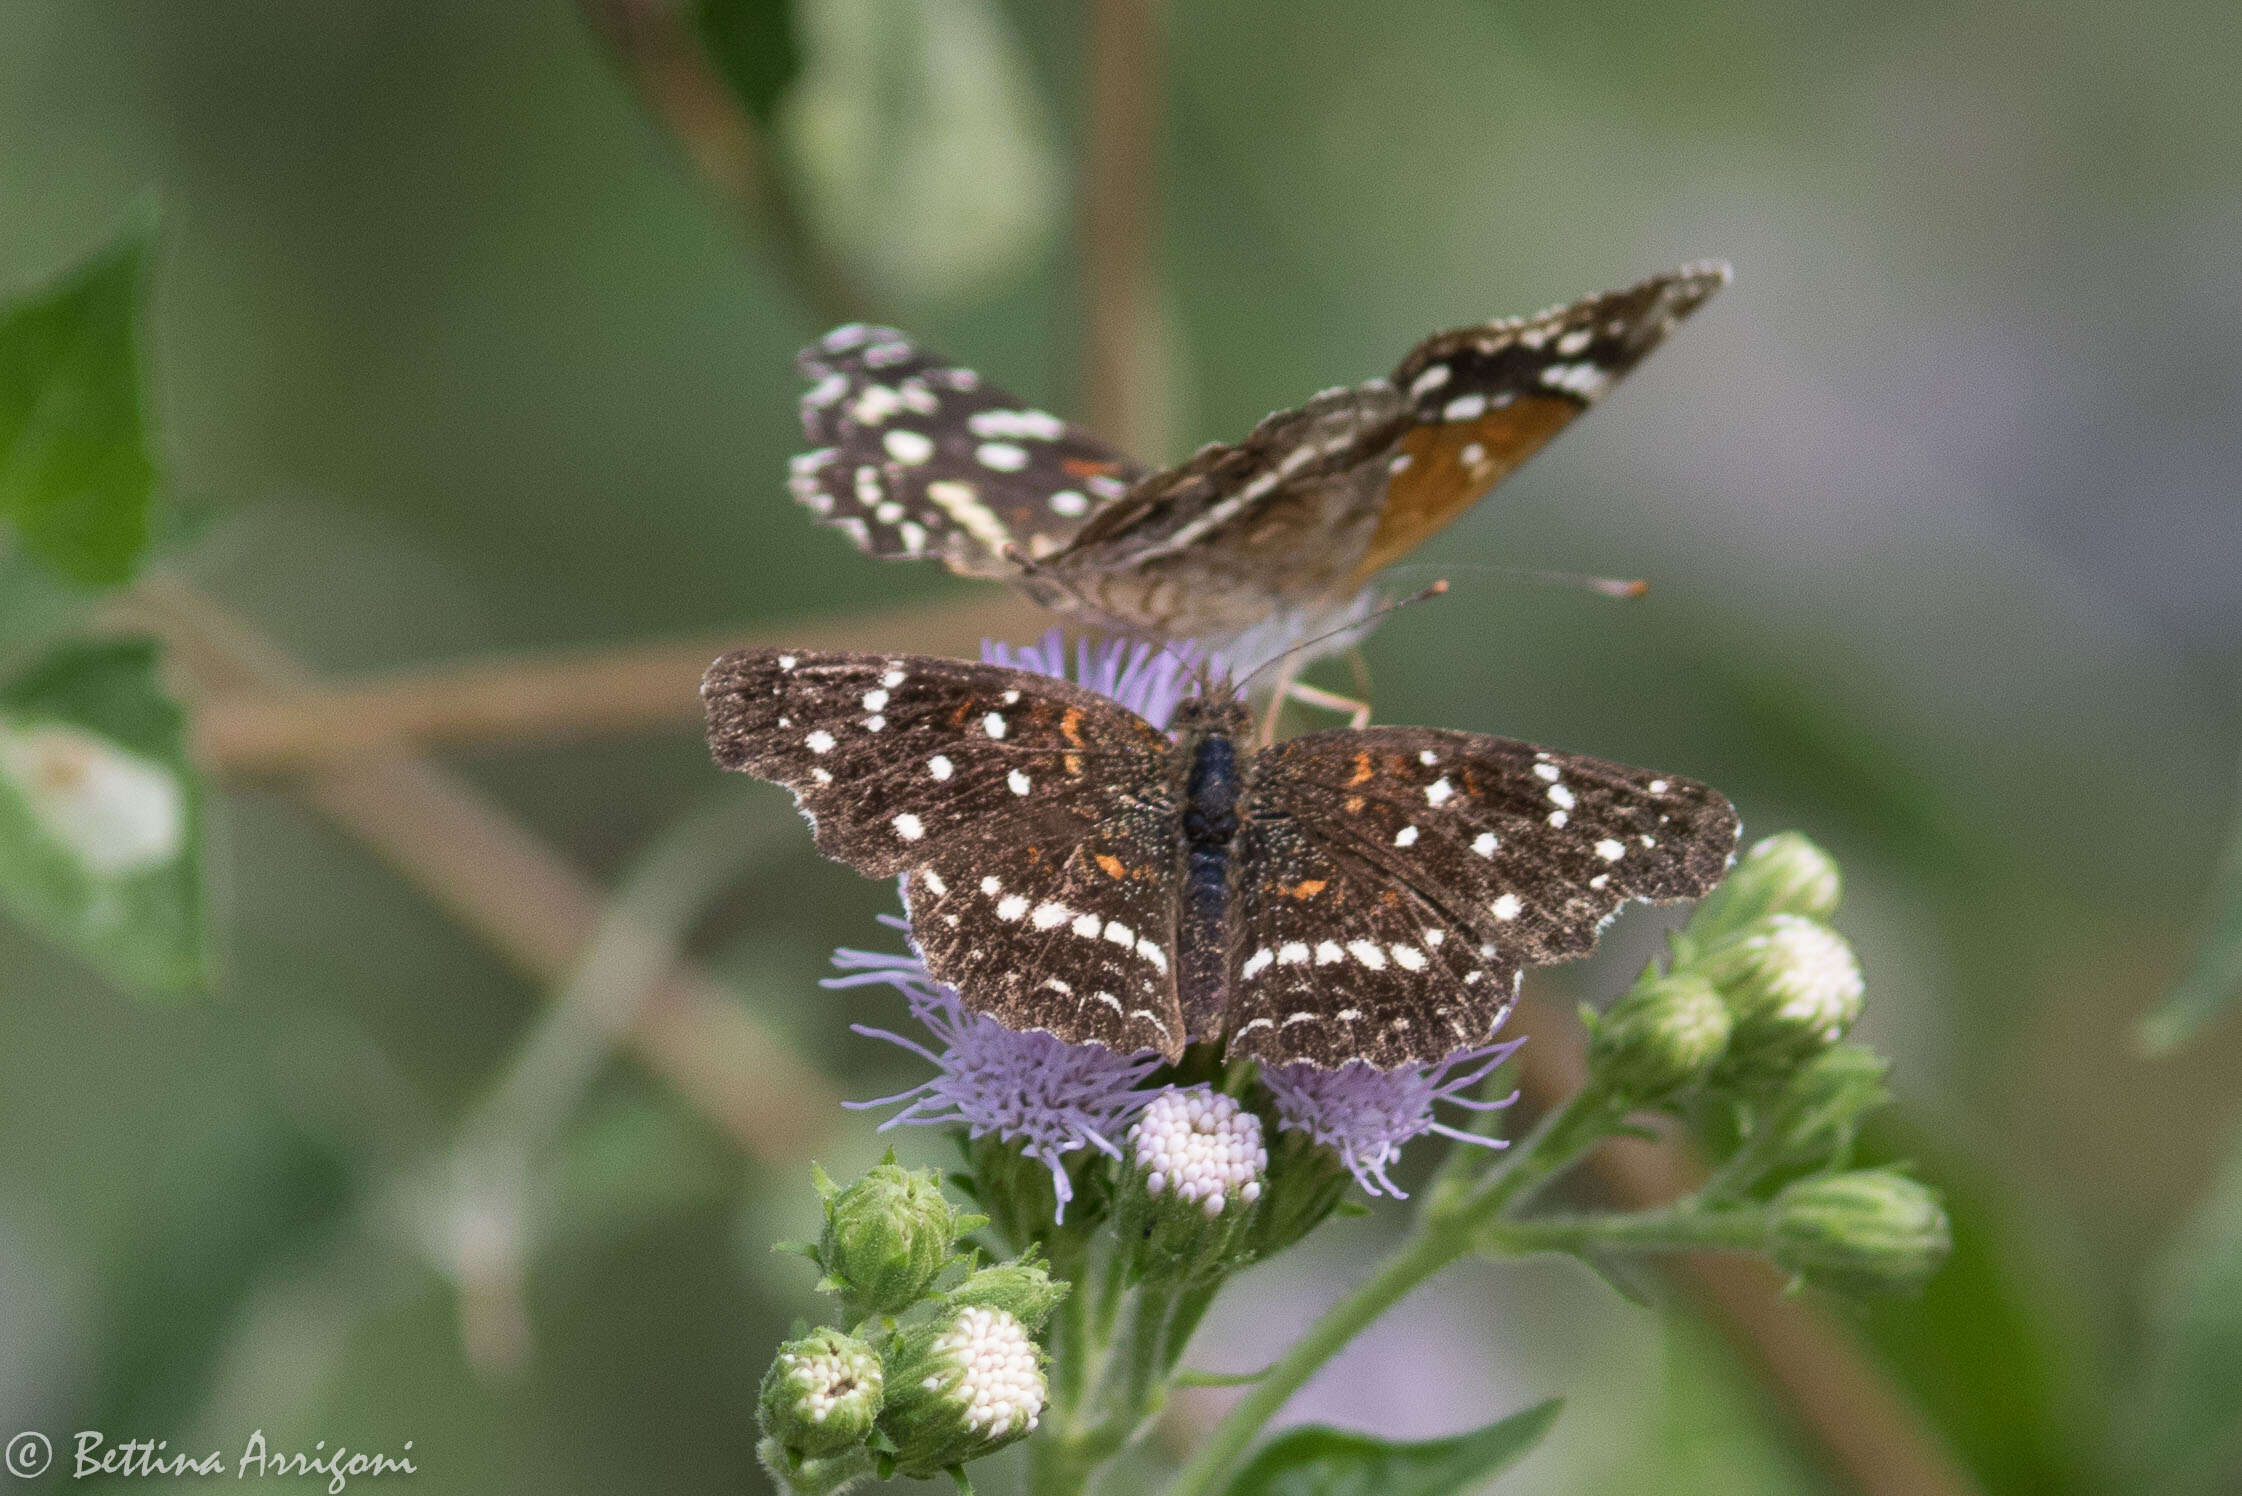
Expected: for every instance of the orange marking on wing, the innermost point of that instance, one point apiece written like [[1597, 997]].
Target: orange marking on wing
[[1112, 865], [1079, 467], [1363, 773], [1438, 484], [1306, 888], [1070, 726]]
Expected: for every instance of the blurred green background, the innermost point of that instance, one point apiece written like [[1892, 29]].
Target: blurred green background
[[453, 353]]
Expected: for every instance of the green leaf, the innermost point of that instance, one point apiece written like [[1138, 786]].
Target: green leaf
[[1319, 1461], [100, 814], [2214, 978], [2188, 1425], [75, 476], [754, 46]]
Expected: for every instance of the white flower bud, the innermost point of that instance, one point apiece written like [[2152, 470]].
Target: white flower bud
[[1200, 1146]]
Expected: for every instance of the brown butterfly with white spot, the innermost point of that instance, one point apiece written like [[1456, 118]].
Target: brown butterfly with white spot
[[918, 458], [1357, 894]]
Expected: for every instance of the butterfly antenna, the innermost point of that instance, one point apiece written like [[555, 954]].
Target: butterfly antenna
[[1619, 587], [1362, 624]]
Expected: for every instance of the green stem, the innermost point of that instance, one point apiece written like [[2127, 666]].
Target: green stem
[[1446, 1229], [1682, 1228], [1425, 1253]]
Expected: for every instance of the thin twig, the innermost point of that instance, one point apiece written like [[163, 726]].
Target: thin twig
[[1118, 206], [661, 54], [268, 730], [522, 898], [1865, 1426]]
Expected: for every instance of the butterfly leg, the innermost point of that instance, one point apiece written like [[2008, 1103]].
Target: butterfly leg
[[1358, 711]]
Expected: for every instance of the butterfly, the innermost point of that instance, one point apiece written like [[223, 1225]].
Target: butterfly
[[1356, 894], [915, 457]]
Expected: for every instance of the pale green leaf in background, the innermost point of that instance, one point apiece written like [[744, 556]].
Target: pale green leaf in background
[[100, 814], [923, 151], [1320, 1461], [76, 480], [2215, 977]]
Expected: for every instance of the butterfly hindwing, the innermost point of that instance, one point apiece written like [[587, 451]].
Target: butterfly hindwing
[[915, 457], [1035, 820], [1333, 959], [1516, 855]]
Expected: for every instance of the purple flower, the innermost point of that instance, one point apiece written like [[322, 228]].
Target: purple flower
[[1050, 1097], [1148, 680], [1365, 1114]]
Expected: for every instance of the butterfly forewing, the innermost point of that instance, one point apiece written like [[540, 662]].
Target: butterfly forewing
[[916, 457], [1517, 855], [1035, 819], [1481, 400]]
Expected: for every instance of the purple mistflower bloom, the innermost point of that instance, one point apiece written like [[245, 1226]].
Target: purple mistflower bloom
[[1145, 678], [1034, 1089], [1365, 1114]]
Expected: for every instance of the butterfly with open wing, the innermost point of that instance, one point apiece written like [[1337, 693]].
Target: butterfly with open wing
[[917, 458], [1356, 894]]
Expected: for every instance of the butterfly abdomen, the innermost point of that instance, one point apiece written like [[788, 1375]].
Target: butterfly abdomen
[[1210, 822]]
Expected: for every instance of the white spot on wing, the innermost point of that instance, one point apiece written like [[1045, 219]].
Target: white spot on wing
[[1405, 837], [1368, 954], [820, 741], [1439, 791], [1561, 797], [1256, 963], [1609, 850], [909, 826], [1485, 843], [1012, 906], [1507, 907], [1001, 457], [940, 766], [1464, 408], [1292, 953], [907, 446], [1019, 782], [993, 724]]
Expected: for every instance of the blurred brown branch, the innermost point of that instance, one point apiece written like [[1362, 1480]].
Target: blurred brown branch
[[1866, 1427], [660, 53], [1118, 200], [266, 727], [523, 899]]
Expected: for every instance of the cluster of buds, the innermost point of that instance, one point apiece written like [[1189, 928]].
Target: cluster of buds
[[1748, 1024], [929, 1377], [1758, 985], [1195, 1170]]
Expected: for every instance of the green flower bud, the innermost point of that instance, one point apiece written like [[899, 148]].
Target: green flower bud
[[821, 1394], [813, 1475], [1194, 1171], [1870, 1231], [1781, 874], [1022, 1288], [887, 1238], [1819, 1110], [1659, 1038], [1793, 987], [961, 1387]]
